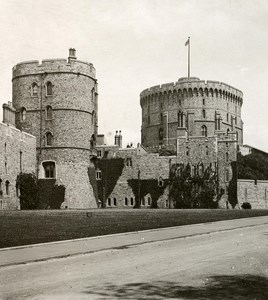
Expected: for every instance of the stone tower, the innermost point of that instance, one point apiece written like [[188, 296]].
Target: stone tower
[[57, 102], [190, 106]]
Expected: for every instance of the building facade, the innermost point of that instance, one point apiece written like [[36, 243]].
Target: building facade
[[17, 155], [57, 102]]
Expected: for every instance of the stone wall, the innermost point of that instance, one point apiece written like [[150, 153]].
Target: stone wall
[[216, 153], [253, 191], [17, 154]]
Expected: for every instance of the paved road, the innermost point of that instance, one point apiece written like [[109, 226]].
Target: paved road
[[231, 264]]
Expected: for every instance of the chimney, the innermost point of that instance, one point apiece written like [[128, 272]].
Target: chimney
[[120, 139], [72, 54], [116, 138], [8, 114]]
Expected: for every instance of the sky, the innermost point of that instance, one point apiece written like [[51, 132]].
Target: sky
[[136, 44]]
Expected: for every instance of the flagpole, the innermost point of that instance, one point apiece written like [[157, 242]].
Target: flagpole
[[188, 57]]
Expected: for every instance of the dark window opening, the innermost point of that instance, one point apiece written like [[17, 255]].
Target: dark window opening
[[49, 169], [49, 112], [49, 89], [48, 139], [7, 187], [204, 130]]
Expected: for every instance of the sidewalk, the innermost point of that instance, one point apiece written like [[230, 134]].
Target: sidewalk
[[39, 252]]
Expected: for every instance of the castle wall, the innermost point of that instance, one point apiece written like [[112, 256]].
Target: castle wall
[[67, 113], [253, 191], [17, 155], [201, 104], [144, 166]]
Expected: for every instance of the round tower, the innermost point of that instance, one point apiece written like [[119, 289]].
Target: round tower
[[200, 107], [57, 101]]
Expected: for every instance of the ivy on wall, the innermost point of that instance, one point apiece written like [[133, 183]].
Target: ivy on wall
[[111, 169], [232, 189], [197, 190], [28, 185], [39, 193], [50, 195], [91, 172], [142, 187]]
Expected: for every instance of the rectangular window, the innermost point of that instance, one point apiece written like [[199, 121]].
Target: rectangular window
[[99, 153], [129, 162], [49, 169], [98, 175]]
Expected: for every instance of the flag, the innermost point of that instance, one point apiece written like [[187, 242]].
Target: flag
[[187, 42]]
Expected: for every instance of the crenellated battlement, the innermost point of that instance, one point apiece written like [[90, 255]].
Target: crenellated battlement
[[195, 87], [34, 67]]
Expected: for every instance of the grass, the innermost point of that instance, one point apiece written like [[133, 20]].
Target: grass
[[31, 227]]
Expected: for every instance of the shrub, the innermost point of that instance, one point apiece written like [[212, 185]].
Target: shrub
[[246, 205]]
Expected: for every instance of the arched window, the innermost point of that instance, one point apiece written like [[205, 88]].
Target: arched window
[[34, 88], [204, 102], [149, 201], [193, 171], [161, 133], [126, 202], [187, 151], [160, 182], [203, 114], [131, 201], [49, 88], [49, 169], [204, 130], [1, 191], [49, 139], [200, 170], [23, 114], [7, 187], [180, 119], [227, 156], [109, 202], [114, 201], [49, 112]]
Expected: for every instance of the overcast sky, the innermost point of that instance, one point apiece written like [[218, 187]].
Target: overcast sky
[[137, 44]]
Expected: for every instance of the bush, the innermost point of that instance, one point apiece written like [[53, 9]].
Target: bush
[[246, 205]]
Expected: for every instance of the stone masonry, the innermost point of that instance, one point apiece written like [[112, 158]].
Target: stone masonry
[[17, 155]]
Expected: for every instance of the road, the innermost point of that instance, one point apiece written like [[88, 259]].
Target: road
[[230, 264]]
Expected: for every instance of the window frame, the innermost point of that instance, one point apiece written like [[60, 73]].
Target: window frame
[[52, 169]]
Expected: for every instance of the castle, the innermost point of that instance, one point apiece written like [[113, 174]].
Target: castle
[[189, 138]]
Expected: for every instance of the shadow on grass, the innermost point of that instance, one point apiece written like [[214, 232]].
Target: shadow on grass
[[246, 287]]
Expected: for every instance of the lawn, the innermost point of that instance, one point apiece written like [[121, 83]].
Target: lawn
[[31, 227]]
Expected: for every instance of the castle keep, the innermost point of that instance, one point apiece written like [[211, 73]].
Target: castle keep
[[203, 108]]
